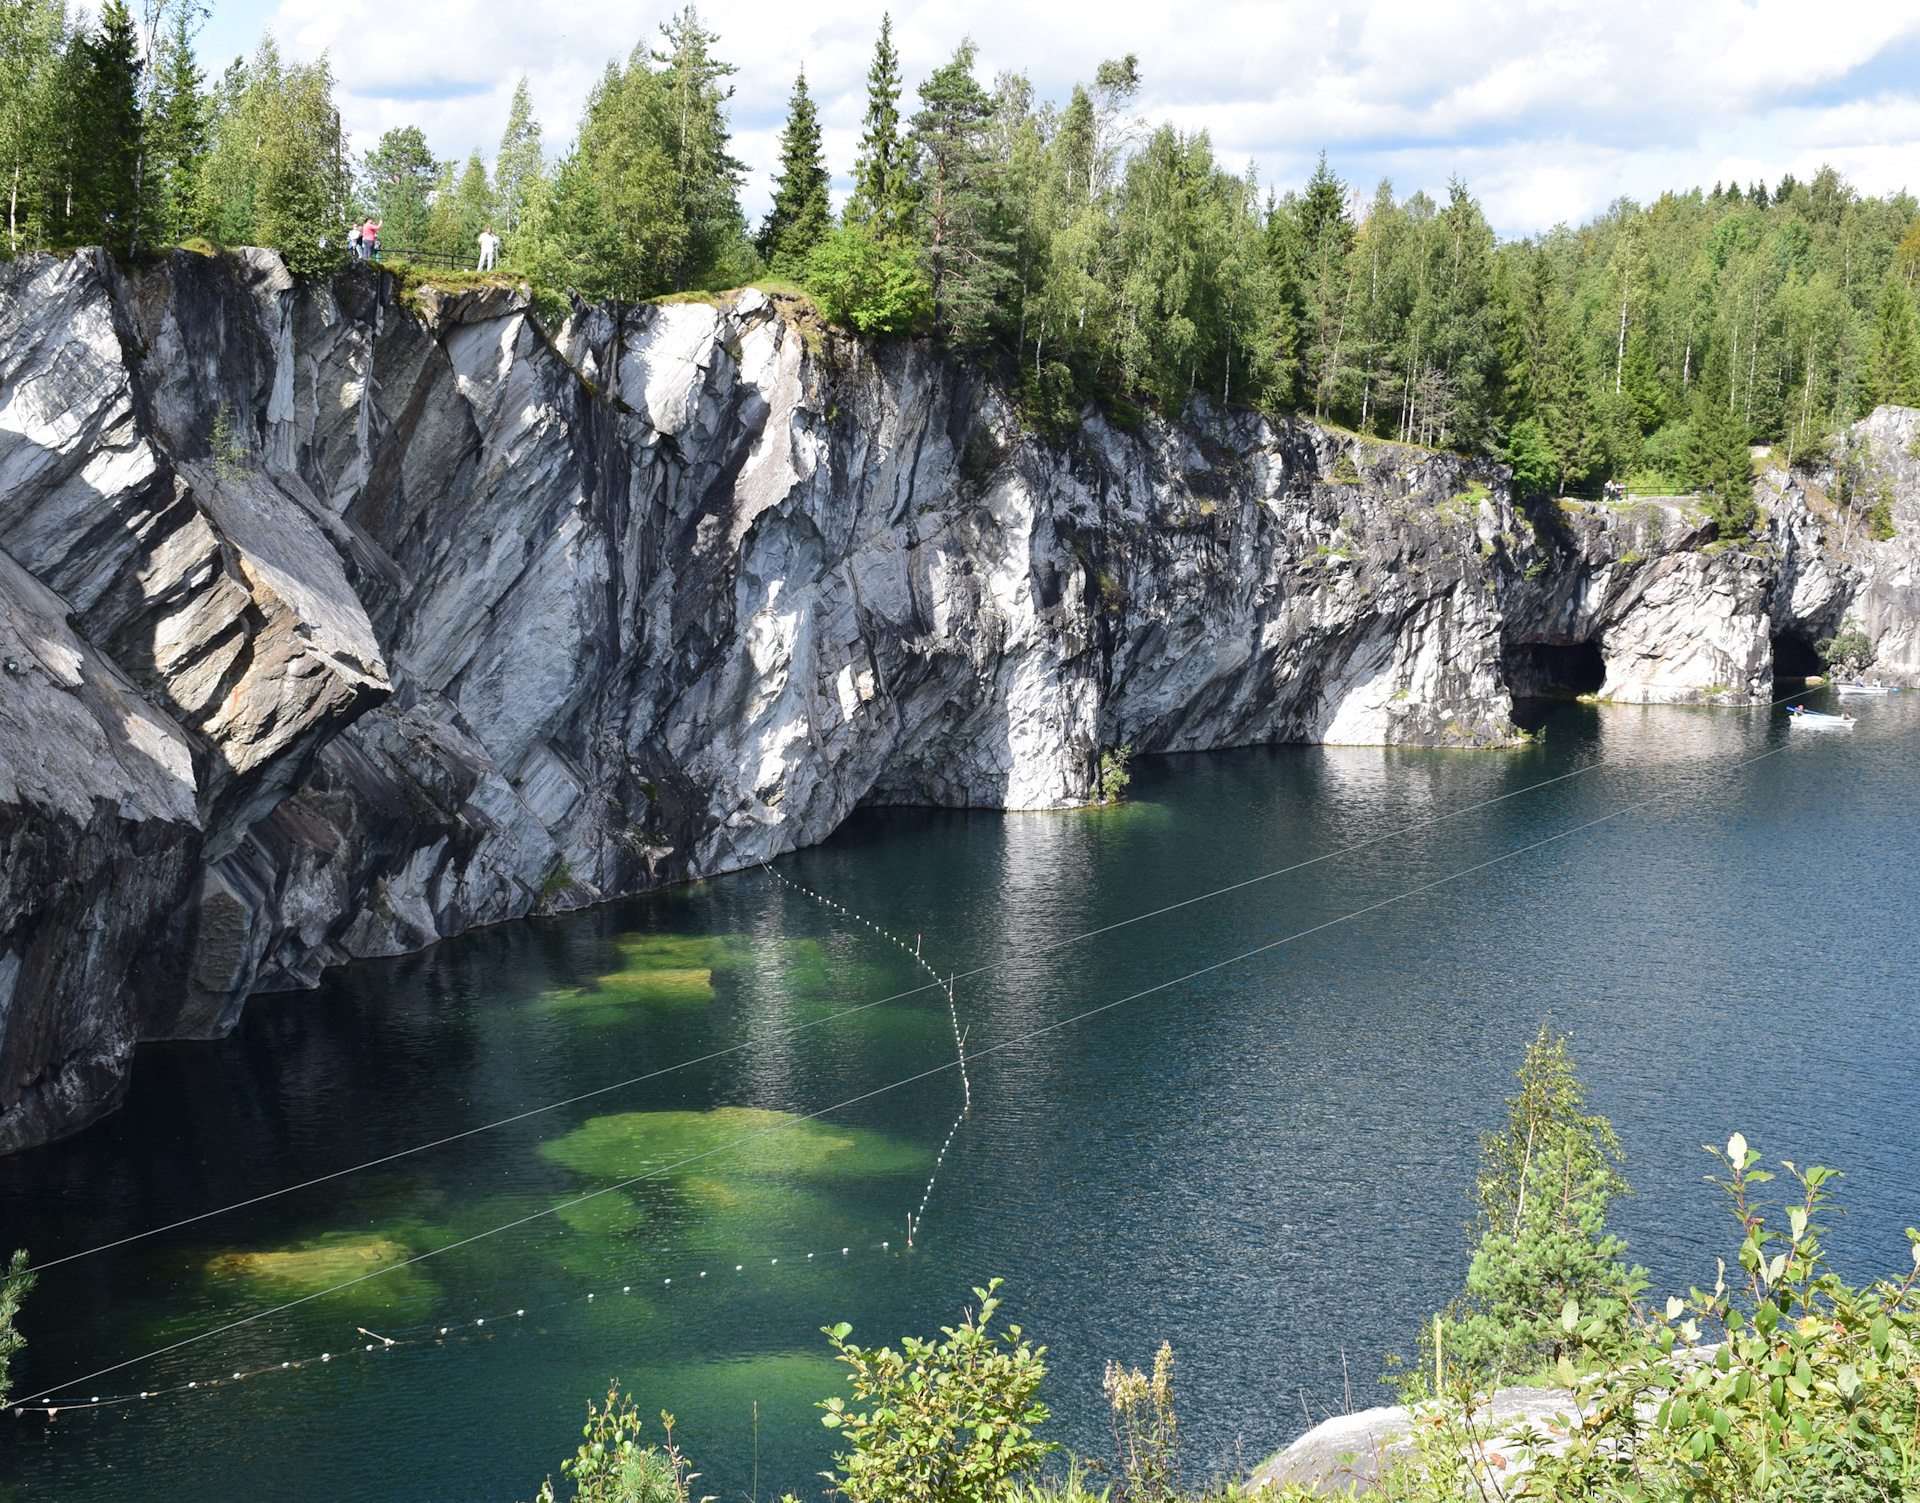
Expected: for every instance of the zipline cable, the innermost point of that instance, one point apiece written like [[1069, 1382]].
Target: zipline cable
[[778, 1033], [914, 1079]]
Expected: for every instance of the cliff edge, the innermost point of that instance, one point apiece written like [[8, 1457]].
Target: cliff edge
[[334, 624]]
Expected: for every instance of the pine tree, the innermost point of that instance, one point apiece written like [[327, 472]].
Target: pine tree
[[882, 200], [401, 178], [801, 215], [519, 167], [959, 206]]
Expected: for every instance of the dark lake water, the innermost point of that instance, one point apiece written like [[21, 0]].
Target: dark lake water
[[1267, 1166]]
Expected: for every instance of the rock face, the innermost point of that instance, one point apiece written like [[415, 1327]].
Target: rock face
[[1345, 1454], [430, 616]]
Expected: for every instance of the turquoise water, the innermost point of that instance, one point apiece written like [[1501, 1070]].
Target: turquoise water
[[1267, 1166]]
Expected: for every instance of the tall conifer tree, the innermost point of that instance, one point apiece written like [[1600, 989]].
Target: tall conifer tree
[[520, 165], [958, 202], [801, 215], [1893, 369], [176, 132], [104, 200], [882, 187], [698, 134]]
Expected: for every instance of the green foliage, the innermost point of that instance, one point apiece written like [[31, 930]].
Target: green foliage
[[1847, 651], [645, 202], [1789, 1384], [612, 1466], [882, 200], [519, 167], [103, 185], [940, 1422], [15, 1285], [801, 216], [1146, 1432], [1111, 783], [1893, 367], [461, 209], [1544, 1187], [275, 172], [400, 177], [867, 284], [1880, 519], [177, 122], [230, 459], [1718, 462], [960, 214], [1536, 465]]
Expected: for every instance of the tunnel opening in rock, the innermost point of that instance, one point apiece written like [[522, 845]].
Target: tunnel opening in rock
[[1794, 657], [1554, 670]]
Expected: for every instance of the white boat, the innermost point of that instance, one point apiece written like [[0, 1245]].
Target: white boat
[[1816, 720], [1857, 688]]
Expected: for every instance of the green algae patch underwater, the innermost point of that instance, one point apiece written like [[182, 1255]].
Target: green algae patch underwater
[[312, 1266], [626, 1144], [668, 971]]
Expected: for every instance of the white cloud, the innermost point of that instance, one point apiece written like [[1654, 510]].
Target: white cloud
[[1549, 108]]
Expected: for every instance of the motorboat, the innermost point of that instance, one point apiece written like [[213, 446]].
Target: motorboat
[[1856, 687], [1818, 720]]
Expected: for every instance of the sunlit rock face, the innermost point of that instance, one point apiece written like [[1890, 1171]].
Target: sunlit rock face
[[427, 617]]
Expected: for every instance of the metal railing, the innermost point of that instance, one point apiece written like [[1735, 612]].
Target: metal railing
[[433, 260]]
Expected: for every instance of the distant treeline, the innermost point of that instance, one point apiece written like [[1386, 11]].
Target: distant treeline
[[1097, 258]]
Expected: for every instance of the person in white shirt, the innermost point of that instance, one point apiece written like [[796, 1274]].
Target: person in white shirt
[[489, 248]]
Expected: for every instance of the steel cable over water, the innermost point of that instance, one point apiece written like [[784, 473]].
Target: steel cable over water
[[778, 1033], [1010, 1043]]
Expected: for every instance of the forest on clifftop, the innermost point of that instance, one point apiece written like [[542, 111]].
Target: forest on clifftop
[[1095, 257]]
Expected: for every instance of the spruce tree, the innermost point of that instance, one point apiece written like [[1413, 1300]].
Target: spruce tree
[[176, 133], [698, 132], [882, 198], [1718, 462], [104, 199], [1893, 368], [801, 215]]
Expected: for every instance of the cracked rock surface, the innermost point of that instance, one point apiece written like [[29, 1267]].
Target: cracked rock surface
[[383, 621]]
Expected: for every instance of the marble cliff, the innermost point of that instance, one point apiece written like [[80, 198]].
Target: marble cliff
[[332, 624]]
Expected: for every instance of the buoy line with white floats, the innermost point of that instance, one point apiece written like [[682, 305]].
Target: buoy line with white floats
[[1397, 833], [916, 1216], [423, 1335], [1015, 1041]]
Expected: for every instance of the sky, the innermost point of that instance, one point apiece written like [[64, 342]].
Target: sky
[[1548, 109]]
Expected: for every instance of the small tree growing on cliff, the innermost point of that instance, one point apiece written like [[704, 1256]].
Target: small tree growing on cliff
[[1544, 1188], [13, 1290]]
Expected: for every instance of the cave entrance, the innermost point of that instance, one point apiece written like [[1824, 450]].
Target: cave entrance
[[1555, 670], [1794, 657]]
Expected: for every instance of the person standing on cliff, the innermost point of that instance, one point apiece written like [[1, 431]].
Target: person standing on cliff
[[370, 239], [489, 248]]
